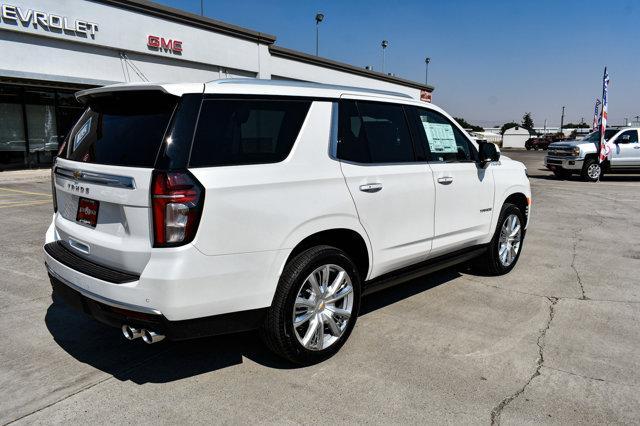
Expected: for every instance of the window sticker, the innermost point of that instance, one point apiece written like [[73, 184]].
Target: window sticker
[[440, 136], [82, 133]]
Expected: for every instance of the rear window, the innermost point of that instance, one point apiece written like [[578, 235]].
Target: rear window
[[121, 129], [246, 131]]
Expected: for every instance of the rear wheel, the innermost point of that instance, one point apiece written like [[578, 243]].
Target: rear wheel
[[506, 245], [315, 306], [591, 170]]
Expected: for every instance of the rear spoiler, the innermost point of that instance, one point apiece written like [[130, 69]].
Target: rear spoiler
[[170, 89]]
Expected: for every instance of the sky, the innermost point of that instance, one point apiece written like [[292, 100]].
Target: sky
[[491, 61]]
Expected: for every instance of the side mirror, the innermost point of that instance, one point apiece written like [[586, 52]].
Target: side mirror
[[487, 152]]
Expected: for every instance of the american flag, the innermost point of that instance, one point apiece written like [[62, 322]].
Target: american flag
[[604, 148], [595, 115]]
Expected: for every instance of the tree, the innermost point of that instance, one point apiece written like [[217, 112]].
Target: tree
[[576, 126], [462, 122], [508, 125], [527, 121]]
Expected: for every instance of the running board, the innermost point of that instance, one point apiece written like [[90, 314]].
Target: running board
[[423, 268]]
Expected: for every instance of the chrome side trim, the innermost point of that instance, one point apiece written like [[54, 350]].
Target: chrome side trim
[[101, 299], [96, 178]]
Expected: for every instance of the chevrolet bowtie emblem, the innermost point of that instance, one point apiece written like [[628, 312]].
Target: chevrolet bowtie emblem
[[77, 174]]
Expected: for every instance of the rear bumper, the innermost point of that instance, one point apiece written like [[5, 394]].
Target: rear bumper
[[116, 314], [566, 163]]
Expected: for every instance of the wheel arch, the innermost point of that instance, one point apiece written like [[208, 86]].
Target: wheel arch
[[348, 240]]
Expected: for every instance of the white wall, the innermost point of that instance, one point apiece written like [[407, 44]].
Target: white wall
[[35, 52], [513, 138]]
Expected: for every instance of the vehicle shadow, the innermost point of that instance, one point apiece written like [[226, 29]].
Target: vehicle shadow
[[104, 348]]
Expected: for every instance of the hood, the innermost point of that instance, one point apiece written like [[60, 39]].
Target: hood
[[569, 144]]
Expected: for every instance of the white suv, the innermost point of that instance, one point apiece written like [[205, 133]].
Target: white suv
[[186, 210]]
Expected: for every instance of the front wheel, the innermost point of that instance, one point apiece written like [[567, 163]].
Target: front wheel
[[315, 306], [506, 245], [591, 170]]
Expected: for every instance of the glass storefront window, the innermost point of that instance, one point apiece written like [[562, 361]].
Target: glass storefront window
[[33, 122], [12, 140]]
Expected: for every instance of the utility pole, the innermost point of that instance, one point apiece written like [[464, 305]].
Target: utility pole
[[426, 73], [562, 120], [384, 45], [319, 18], [637, 117], [201, 7]]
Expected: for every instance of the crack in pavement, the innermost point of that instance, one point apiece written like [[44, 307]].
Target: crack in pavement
[[576, 239], [497, 411]]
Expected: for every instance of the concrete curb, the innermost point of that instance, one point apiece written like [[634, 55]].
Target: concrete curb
[[22, 176]]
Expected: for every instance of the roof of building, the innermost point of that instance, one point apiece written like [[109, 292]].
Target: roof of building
[[187, 18], [341, 66]]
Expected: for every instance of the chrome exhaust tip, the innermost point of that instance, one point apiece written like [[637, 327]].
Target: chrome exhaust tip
[[131, 333], [150, 337]]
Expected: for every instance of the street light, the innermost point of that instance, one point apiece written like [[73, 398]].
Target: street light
[[426, 72], [319, 18], [384, 45], [201, 7]]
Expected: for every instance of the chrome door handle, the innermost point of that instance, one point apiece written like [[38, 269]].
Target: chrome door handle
[[371, 187], [445, 180]]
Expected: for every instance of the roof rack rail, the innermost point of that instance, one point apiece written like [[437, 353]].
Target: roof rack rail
[[306, 84]]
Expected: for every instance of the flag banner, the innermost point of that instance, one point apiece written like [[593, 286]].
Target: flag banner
[[595, 116], [604, 149]]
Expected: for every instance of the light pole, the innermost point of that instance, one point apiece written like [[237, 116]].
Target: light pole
[[384, 45], [319, 18], [562, 120], [426, 71], [201, 7]]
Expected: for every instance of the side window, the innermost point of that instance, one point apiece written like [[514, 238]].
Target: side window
[[630, 136], [445, 142], [372, 132], [234, 132]]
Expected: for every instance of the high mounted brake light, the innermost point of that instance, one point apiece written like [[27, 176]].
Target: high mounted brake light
[[177, 199]]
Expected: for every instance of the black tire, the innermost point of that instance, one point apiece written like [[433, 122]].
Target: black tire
[[489, 263], [278, 331], [562, 174], [586, 175]]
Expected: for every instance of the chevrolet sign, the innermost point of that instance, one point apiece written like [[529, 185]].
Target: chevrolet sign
[[15, 15]]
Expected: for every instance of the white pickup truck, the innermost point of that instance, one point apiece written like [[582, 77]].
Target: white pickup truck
[[581, 156]]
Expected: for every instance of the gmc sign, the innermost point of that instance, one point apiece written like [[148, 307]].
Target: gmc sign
[[164, 44]]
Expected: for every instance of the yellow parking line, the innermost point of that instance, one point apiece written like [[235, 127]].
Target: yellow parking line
[[33, 203], [25, 192]]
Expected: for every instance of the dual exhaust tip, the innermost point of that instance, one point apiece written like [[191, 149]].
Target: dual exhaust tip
[[148, 336]]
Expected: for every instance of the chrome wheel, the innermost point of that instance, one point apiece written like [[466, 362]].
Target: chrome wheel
[[323, 307], [593, 171], [510, 240]]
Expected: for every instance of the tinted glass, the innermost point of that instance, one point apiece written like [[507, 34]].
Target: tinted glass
[[633, 136], [371, 132], [445, 141], [249, 131], [123, 129]]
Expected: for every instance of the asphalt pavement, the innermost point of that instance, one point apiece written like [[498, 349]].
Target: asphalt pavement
[[555, 341]]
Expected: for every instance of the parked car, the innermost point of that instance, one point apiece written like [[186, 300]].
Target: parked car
[[187, 210], [537, 143], [581, 156]]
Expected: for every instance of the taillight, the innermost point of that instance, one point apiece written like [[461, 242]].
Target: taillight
[[177, 199]]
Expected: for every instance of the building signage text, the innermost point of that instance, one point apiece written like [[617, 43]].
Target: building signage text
[[164, 44], [15, 15]]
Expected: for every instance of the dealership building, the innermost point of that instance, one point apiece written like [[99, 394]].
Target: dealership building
[[51, 49]]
